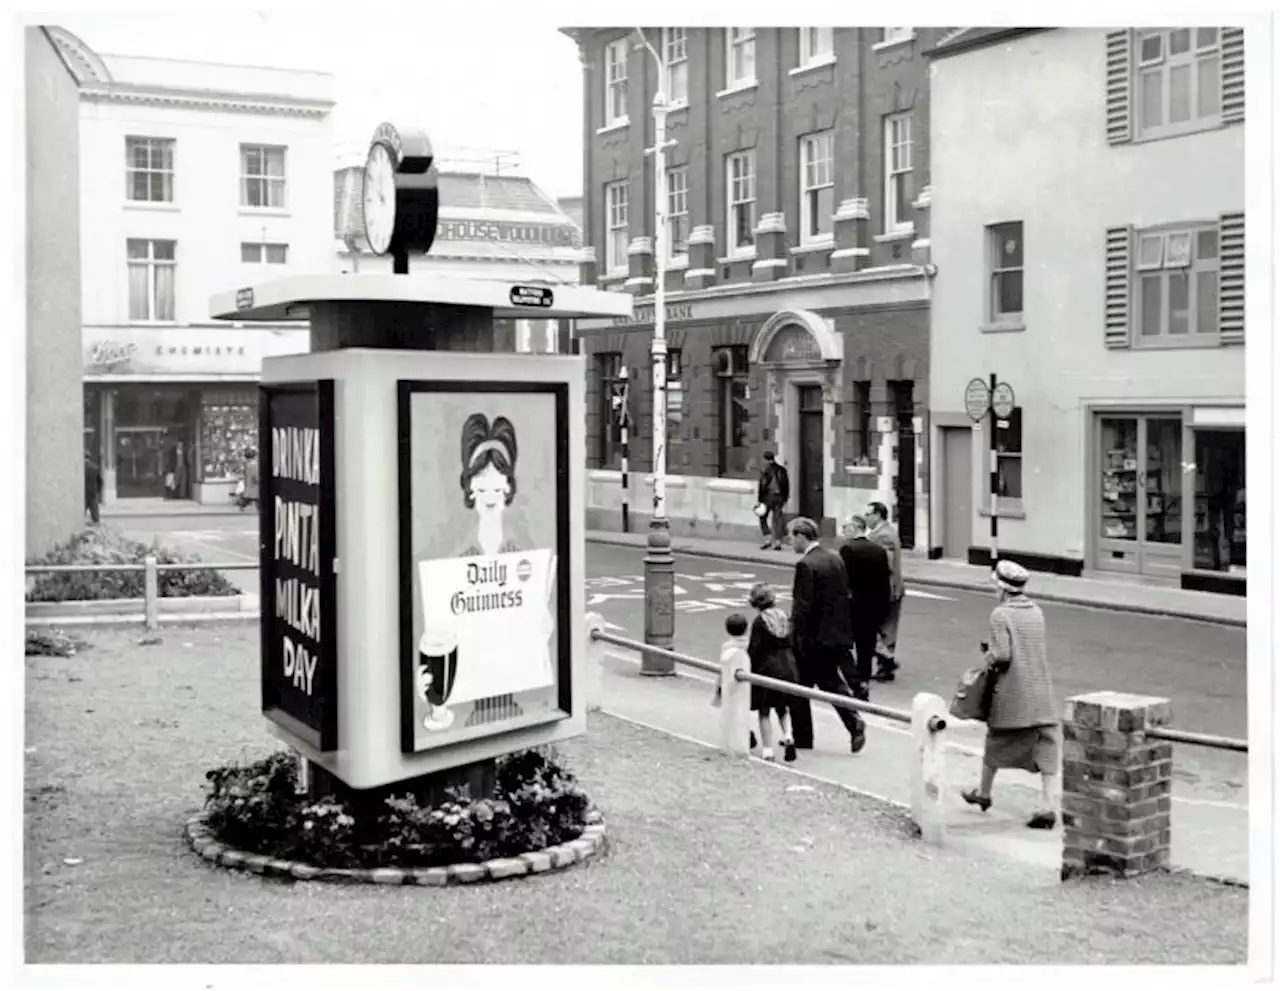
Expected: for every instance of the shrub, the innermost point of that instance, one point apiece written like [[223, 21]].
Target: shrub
[[103, 545], [53, 643], [536, 803]]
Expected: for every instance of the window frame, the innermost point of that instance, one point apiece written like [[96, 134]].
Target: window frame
[[863, 424], [809, 38], [615, 81], [1194, 265], [264, 252], [732, 415], [609, 438], [1164, 64], [733, 187], [894, 224], [807, 191], [994, 245], [675, 57], [612, 208], [675, 377], [1009, 502], [167, 175], [677, 195], [152, 264], [735, 44], [268, 180]]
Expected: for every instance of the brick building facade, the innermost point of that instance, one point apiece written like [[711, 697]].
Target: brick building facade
[[798, 276]]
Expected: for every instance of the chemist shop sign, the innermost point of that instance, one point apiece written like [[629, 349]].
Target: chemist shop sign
[[148, 353], [298, 561]]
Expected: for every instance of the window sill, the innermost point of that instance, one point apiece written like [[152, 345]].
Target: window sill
[[901, 234], [675, 108], [153, 323], [883, 46], [615, 274], [745, 255], [1009, 509], [1176, 130], [158, 207], [1003, 327], [864, 470], [678, 263], [263, 211], [818, 63], [731, 485], [814, 246], [742, 87], [617, 125], [1165, 343]]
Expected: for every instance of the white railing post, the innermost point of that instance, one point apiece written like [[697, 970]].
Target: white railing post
[[593, 672], [735, 698], [151, 593], [929, 766]]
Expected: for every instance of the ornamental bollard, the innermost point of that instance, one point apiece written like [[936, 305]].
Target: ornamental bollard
[[735, 698], [1116, 785], [151, 592], [593, 673], [929, 766]]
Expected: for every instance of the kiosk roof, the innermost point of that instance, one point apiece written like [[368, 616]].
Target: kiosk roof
[[290, 298]]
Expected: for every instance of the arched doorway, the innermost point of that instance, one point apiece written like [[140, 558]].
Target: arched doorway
[[801, 353]]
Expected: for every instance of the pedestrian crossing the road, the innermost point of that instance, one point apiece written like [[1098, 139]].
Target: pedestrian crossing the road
[[709, 592]]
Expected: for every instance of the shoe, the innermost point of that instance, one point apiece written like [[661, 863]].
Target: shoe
[[777, 545], [1042, 820], [788, 751], [766, 545], [860, 691], [858, 740], [885, 670], [973, 798], [766, 754]]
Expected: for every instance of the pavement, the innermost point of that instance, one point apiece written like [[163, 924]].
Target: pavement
[[1200, 665]]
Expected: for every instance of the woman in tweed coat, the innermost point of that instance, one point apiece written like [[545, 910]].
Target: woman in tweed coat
[[1023, 731]]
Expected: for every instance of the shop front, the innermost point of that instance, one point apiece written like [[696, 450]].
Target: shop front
[[1170, 494], [170, 414]]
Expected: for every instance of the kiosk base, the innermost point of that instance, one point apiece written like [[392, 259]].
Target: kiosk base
[[428, 790]]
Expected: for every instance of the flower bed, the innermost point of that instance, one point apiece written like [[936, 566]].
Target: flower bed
[[537, 819]]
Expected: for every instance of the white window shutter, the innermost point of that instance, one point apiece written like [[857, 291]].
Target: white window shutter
[[1231, 278], [1118, 291], [1232, 75], [1119, 87]]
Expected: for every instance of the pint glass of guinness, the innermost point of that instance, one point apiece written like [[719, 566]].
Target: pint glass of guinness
[[438, 669]]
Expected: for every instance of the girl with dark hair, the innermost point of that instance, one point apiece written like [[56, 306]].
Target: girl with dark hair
[[488, 482]]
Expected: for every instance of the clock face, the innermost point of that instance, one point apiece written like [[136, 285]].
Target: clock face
[[379, 199]]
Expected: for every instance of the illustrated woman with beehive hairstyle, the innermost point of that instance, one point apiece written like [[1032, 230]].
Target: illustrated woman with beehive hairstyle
[[488, 481]]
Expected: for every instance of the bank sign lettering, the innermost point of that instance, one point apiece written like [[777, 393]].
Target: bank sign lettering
[[644, 314], [297, 552]]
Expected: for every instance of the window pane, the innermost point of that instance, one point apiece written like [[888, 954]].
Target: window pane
[[1178, 251], [1008, 239], [275, 162], [1206, 37], [1179, 300], [138, 309], [1150, 250], [164, 291], [1179, 41], [826, 199], [161, 187], [163, 250], [1151, 316], [1009, 478], [139, 186], [1008, 293], [1179, 94], [276, 191], [902, 197], [250, 254], [1150, 48], [1152, 94], [276, 254], [1207, 245], [1206, 302], [137, 249], [1208, 87]]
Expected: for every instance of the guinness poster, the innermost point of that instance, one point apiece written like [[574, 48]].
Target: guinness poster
[[484, 569], [297, 548]]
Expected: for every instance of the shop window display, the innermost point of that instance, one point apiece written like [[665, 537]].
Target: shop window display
[[1120, 479], [1142, 490], [228, 427], [1220, 501]]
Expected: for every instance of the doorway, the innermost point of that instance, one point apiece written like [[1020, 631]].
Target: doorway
[[139, 462], [904, 485], [957, 492], [1139, 495], [809, 469]]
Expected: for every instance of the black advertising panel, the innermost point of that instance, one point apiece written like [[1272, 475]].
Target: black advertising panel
[[297, 547]]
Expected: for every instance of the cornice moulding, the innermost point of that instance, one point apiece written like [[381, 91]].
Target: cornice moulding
[[208, 100]]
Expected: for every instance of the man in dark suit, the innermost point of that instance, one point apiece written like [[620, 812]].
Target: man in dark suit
[[821, 633], [866, 565], [772, 492]]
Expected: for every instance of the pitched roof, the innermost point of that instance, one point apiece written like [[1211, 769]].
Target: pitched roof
[[964, 39]]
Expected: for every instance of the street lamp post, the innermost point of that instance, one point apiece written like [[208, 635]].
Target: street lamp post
[[659, 564]]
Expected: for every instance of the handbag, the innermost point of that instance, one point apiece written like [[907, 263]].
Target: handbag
[[761, 510], [972, 699]]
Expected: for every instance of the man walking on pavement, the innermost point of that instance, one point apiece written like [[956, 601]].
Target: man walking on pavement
[[772, 493], [885, 534], [866, 565], [821, 633]]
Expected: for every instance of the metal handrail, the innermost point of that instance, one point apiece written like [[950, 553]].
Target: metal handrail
[[71, 569], [1198, 739], [787, 687]]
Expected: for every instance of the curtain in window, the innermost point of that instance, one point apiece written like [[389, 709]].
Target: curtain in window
[[139, 308], [164, 292]]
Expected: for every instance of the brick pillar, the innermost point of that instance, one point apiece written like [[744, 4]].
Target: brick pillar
[[701, 272], [852, 253], [640, 266], [1116, 784], [921, 253], [771, 248], [587, 265]]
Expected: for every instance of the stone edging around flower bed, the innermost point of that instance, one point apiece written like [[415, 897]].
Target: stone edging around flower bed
[[555, 858]]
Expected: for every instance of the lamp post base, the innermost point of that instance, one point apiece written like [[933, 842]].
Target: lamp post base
[[659, 599]]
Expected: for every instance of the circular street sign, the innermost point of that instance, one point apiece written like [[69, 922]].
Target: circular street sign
[[976, 398], [1002, 401]]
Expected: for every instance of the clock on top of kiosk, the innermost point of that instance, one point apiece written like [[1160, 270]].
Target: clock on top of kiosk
[[401, 201]]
